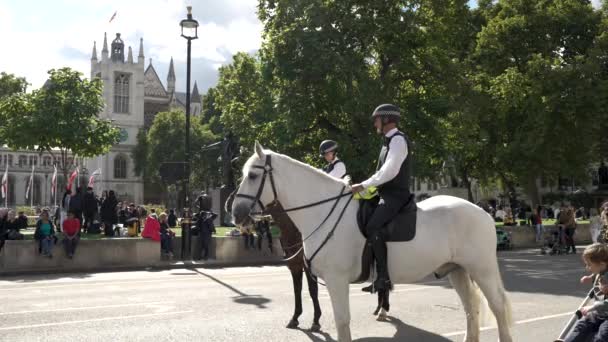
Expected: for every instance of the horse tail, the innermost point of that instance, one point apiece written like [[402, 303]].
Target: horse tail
[[486, 317]]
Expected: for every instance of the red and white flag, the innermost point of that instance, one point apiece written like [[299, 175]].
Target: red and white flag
[[5, 183], [72, 177], [54, 181], [30, 184], [113, 16], [92, 178]]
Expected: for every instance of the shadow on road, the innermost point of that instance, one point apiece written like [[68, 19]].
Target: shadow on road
[[404, 333], [242, 297]]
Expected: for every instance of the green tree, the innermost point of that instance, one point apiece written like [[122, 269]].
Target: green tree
[[535, 71], [10, 84], [59, 118], [164, 143], [211, 115]]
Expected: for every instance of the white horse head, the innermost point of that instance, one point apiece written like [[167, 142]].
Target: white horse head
[[290, 178]]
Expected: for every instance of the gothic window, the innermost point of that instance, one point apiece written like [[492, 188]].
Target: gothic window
[[120, 167], [46, 161], [22, 161], [33, 160], [121, 93], [10, 160]]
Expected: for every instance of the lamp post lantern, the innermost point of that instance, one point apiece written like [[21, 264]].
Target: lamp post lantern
[[189, 32]]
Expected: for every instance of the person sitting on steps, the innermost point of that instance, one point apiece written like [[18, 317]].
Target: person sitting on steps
[[392, 179]]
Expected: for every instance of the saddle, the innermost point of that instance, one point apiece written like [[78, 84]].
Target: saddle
[[401, 228]]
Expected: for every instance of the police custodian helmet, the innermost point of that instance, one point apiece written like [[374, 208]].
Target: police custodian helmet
[[388, 111], [328, 146]]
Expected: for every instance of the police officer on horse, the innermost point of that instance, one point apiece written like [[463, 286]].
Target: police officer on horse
[[329, 151], [392, 179]]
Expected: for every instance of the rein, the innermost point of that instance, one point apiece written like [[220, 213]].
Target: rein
[[256, 200]]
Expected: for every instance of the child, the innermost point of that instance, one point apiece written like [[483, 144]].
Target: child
[[594, 321], [45, 234], [71, 228]]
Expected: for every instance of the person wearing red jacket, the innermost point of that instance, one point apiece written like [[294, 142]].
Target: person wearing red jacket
[[151, 228], [71, 229]]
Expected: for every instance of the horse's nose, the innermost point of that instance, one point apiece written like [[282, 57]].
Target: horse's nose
[[240, 213]]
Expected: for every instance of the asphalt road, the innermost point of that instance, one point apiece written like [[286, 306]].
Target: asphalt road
[[254, 304]]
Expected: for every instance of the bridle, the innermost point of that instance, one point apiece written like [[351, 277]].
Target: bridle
[[255, 200]]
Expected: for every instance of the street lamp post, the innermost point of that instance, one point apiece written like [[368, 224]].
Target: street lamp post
[[189, 32]]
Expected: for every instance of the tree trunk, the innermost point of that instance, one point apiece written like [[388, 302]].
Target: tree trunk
[[532, 191], [467, 184]]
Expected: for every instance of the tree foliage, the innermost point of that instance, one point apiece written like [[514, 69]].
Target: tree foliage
[[59, 118], [508, 91], [165, 143]]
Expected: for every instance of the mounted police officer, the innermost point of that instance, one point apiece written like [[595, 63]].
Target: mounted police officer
[[392, 178], [335, 167]]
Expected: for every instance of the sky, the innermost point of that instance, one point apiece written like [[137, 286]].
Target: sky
[[36, 36]]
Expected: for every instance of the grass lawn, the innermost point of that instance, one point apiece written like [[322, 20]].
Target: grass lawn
[[546, 222]]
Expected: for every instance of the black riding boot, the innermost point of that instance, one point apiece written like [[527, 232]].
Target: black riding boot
[[382, 280]]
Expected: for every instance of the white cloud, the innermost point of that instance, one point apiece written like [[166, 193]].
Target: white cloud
[[51, 40]]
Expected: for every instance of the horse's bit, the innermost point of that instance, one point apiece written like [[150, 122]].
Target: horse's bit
[[256, 200]]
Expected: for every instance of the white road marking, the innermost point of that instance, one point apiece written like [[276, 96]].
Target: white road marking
[[17, 327], [530, 320], [152, 304], [194, 277]]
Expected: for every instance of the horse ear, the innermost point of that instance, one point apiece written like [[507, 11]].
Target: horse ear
[[259, 150]]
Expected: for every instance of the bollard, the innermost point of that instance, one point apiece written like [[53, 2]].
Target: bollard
[[186, 235]]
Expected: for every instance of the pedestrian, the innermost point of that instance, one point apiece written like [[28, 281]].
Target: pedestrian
[[206, 229], [151, 228], [595, 224], [75, 204], [89, 208], [109, 216], [65, 206], [166, 236], [263, 230], [71, 228], [570, 228], [172, 218], [13, 226], [45, 234], [3, 230], [537, 221], [594, 322]]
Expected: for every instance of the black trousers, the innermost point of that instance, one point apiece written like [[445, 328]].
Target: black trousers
[[205, 239], [386, 210]]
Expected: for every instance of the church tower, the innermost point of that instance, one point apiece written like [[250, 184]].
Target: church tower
[[123, 92]]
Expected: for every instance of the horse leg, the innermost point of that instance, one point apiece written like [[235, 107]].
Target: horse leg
[[490, 282], [470, 298], [313, 289], [383, 305], [338, 291], [296, 276], [379, 306]]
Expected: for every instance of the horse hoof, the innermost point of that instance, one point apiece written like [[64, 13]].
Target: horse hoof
[[382, 318], [293, 324], [376, 311], [316, 327]]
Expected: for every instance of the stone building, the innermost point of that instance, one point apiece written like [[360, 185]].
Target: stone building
[[133, 94]]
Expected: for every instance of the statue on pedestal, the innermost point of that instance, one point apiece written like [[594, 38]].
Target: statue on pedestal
[[229, 147]]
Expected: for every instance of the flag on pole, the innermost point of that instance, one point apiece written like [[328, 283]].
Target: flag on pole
[[113, 16], [29, 184], [71, 180], [54, 181], [5, 183], [92, 178]]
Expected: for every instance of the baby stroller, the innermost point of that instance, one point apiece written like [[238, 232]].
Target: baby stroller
[[555, 243], [594, 294]]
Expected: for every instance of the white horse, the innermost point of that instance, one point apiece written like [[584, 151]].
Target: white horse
[[449, 231]]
